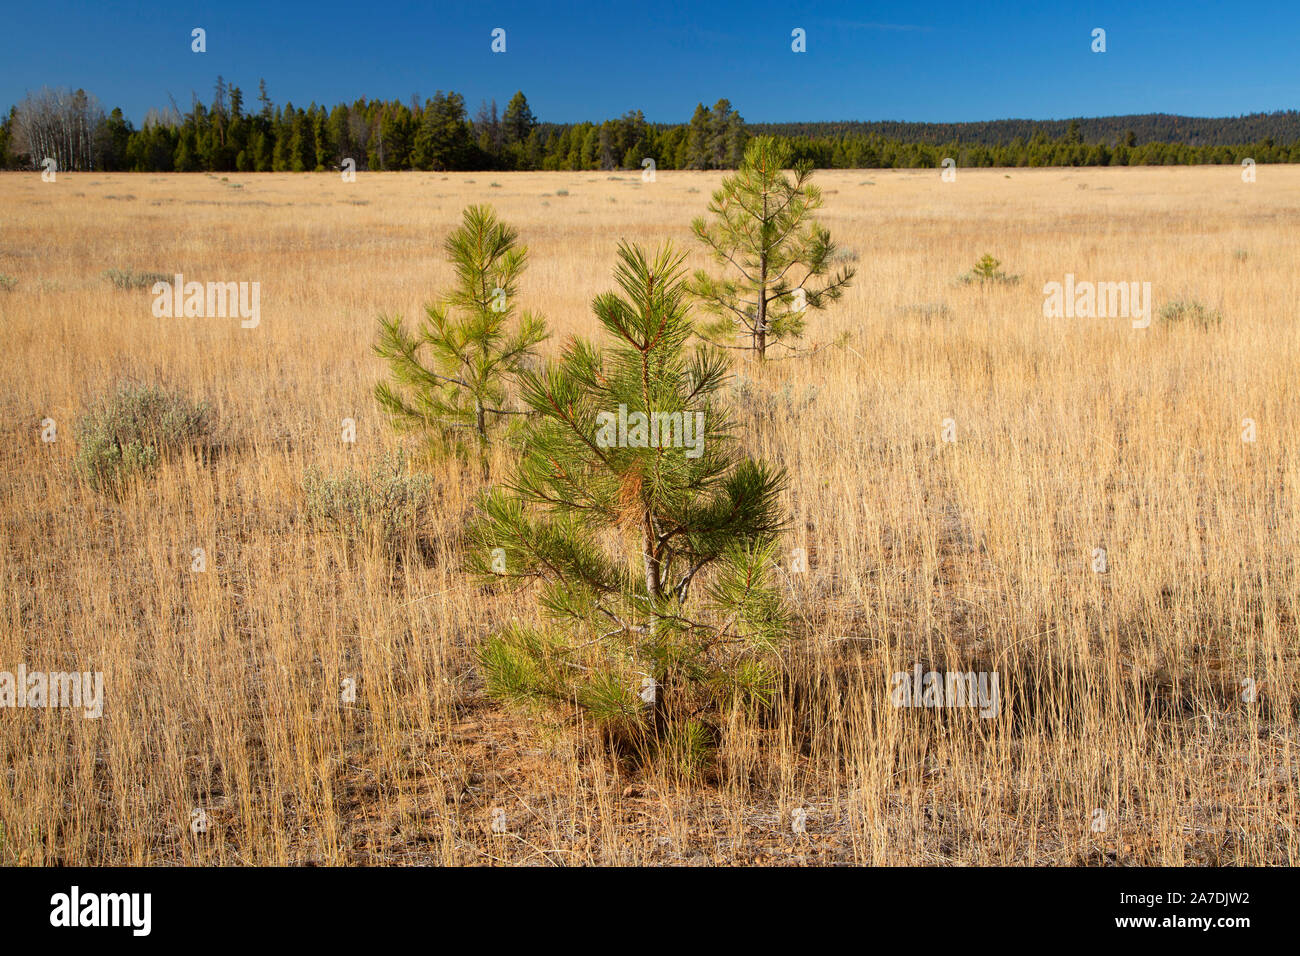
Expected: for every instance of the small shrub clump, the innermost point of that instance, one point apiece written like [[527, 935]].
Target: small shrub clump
[[387, 505], [126, 434], [927, 311], [130, 279], [1191, 312], [986, 270], [7, 282], [787, 401]]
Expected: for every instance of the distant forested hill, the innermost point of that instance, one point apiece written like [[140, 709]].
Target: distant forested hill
[[1281, 127]]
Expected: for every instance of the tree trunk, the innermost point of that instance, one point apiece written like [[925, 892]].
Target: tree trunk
[[654, 588], [480, 425], [761, 336]]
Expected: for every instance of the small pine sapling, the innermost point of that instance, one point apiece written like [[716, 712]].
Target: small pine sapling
[[450, 377], [988, 269], [650, 538], [780, 259]]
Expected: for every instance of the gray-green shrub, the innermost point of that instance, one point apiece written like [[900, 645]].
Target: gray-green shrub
[[126, 434], [387, 504], [1191, 312], [130, 279]]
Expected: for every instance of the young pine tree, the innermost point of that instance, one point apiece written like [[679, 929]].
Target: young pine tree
[[651, 539], [450, 376], [780, 257]]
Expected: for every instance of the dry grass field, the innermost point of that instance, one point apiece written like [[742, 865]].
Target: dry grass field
[[1122, 691]]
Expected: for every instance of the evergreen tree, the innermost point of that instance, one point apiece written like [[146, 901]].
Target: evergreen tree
[[762, 227], [491, 134], [264, 98], [697, 139], [461, 387], [322, 146], [533, 151], [186, 152], [7, 159], [518, 120], [340, 138], [282, 159], [726, 132], [445, 139], [302, 144], [606, 146], [397, 134], [263, 152], [618, 524], [590, 148], [111, 141]]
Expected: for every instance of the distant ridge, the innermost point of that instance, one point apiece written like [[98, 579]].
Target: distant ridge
[[1283, 127]]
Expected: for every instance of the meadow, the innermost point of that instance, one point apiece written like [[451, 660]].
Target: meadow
[[958, 461]]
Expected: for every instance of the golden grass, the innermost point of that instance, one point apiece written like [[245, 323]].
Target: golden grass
[[1121, 692]]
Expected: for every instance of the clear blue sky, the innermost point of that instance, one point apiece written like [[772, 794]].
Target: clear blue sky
[[932, 61]]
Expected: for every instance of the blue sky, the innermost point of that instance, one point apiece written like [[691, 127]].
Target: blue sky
[[933, 61]]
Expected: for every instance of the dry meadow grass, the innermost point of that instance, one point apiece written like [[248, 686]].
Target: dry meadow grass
[[1122, 692]]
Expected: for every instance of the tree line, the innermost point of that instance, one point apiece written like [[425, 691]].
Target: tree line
[[231, 135]]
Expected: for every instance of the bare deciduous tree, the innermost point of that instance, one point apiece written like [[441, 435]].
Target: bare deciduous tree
[[58, 124]]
